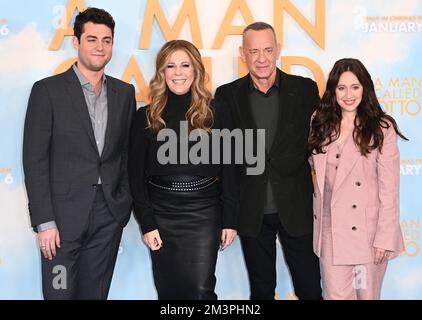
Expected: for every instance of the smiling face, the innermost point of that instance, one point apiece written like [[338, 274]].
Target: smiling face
[[95, 47], [260, 52], [179, 72], [349, 92]]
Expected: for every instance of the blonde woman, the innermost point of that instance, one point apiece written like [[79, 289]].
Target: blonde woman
[[186, 210]]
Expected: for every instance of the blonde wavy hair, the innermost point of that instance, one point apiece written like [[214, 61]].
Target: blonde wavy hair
[[199, 114]]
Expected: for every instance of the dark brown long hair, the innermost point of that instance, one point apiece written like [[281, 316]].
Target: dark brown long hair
[[369, 120]]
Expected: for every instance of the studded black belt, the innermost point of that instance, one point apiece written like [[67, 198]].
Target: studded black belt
[[181, 183]]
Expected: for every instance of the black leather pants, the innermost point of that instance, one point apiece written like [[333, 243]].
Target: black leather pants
[[190, 225]]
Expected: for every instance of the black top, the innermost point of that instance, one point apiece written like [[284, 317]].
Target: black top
[[265, 107], [143, 161]]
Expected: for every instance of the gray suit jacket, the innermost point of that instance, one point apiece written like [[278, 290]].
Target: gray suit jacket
[[60, 157]]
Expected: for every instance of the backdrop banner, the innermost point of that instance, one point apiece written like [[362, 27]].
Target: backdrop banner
[[36, 42]]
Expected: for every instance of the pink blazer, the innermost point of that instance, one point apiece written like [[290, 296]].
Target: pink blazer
[[364, 204]]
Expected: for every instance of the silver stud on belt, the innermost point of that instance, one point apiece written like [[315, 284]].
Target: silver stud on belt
[[186, 186]]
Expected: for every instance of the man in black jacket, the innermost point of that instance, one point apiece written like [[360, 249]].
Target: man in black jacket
[[278, 201], [75, 162]]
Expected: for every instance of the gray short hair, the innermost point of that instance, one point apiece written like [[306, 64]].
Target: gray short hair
[[258, 26]]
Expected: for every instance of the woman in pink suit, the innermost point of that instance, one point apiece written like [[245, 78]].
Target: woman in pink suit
[[356, 201]]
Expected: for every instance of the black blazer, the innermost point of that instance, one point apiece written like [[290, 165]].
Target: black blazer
[[286, 164], [60, 157]]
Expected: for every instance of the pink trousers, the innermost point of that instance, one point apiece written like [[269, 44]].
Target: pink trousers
[[349, 282]]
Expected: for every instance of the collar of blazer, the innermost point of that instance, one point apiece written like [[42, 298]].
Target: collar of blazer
[[287, 98], [78, 101], [348, 159]]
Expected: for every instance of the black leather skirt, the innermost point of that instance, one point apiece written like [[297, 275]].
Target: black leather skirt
[[188, 213]]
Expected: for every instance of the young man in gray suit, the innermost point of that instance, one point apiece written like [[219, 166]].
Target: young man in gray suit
[[75, 163]]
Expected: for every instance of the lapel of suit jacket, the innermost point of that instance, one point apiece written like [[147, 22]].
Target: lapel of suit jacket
[[243, 107], [79, 103], [348, 158], [320, 165], [287, 99], [111, 115]]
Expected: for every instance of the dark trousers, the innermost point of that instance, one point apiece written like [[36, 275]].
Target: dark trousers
[[260, 259], [83, 268]]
